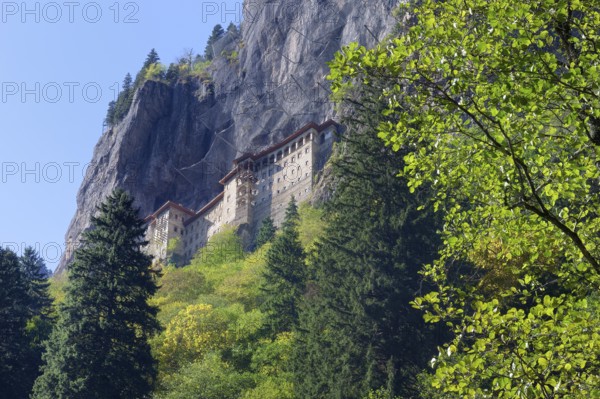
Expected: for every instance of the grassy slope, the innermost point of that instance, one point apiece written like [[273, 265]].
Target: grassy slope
[[214, 344]]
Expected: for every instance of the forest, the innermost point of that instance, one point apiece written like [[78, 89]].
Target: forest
[[458, 255]]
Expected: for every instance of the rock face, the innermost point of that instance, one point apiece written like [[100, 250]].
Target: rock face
[[178, 140]]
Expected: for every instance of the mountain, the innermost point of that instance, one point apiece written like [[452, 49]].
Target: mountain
[[178, 140]]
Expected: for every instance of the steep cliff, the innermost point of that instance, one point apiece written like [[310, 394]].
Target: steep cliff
[[178, 140]]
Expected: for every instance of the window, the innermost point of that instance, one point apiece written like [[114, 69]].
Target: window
[[278, 179], [285, 164], [306, 163], [175, 229], [293, 159], [306, 151]]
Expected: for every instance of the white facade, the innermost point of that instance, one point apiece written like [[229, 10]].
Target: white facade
[[259, 186]]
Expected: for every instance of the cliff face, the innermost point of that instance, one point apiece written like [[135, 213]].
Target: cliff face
[[177, 141]]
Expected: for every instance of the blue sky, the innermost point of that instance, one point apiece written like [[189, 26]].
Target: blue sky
[[60, 63]]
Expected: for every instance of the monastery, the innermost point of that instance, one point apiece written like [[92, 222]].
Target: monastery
[[258, 186]]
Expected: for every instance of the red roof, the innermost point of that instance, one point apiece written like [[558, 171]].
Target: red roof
[[275, 147], [204, 209], [169, 204]]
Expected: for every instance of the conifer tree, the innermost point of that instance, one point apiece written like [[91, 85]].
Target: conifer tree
[[14, 314], [285, 274], [358, 331], [99, 348], [266, 232], [36, 278], [39, 306], [232, 29], [216, 34], [151, 58]]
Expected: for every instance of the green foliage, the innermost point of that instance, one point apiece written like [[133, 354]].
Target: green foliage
[[119, 108], [216, 342], [266, 232], [357, 329], [99, 347], [155, 72], [209, 378], [216, 34], [14, 313], [496, 106], [233, 29], [285, 274], [200, 70], [310, 227]]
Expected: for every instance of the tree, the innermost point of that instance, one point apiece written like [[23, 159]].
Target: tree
[[39, 305], [172, 73], [216, 34], [99, 348], [127, 84], [358, 332], [232, 29], [119, 108], [285, 274], [151, 58], [110, 114], [14, 314], [152, 62], [36, 278], [496, 106], [266, 232]]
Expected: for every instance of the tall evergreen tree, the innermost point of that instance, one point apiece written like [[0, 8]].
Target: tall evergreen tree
[[39, 306], [285, 274], [216, 34], [151, 58], [232, 29], [14, 314], [99, 348], [358, 331], [123, 103], [266, 232], [110, 114], [36, 277]]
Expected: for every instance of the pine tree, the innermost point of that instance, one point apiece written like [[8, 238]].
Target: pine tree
[[123, 103], [285, 274], [36, 277], [110, 114], [39, 306], [216, 34], [151, 58], [99, 348], [127, 84], [358, 331], [14, 314], [172, 73], [232, 29], [266, 232]]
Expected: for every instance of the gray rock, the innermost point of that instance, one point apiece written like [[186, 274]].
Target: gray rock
[[177, 141]]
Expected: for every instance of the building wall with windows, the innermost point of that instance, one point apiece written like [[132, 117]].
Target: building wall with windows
[[260, 185]]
